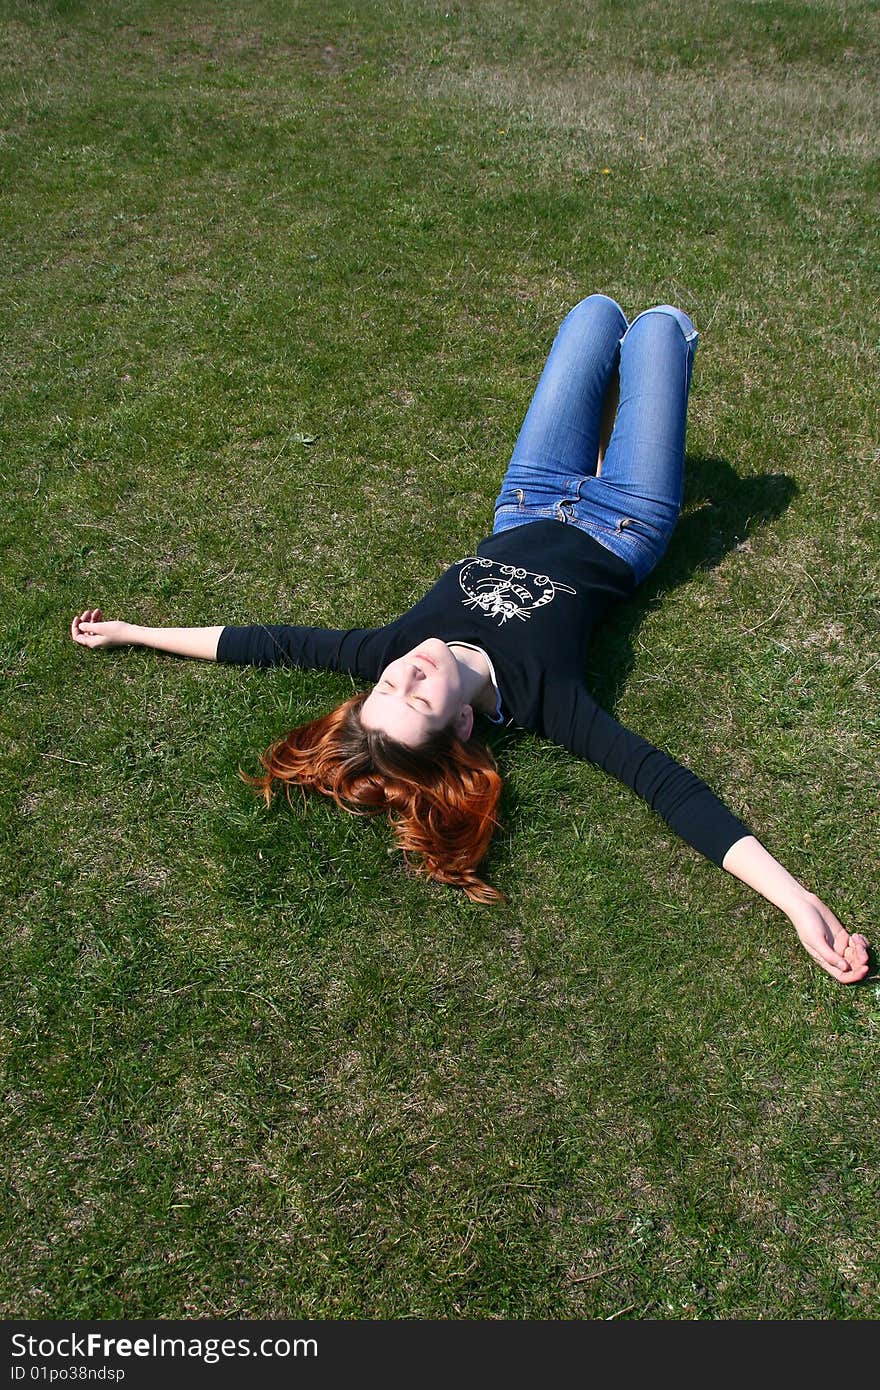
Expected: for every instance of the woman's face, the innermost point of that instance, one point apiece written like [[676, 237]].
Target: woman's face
[[418, 695]]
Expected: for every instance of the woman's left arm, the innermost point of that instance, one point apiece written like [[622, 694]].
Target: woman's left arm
[[844, 956]]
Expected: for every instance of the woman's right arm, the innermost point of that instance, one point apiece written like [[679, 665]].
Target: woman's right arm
[[90, 629], [360, 651]]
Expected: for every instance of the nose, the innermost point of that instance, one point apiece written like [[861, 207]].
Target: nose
[[412, 675]]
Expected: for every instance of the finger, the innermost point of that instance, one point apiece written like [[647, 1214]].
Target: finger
[[826, 957], [843, 977], [846, 976], [841, 941], [856, 953], [858, 941], [852, 978]]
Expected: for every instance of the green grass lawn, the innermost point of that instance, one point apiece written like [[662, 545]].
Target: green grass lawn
[[279, 279]]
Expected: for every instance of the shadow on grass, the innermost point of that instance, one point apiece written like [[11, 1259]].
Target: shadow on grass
[[720, 512]]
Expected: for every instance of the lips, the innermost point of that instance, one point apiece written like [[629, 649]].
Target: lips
[[421, 657]]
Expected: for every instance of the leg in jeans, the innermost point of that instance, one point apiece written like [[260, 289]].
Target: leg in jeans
[[558, 444], [633, 506]]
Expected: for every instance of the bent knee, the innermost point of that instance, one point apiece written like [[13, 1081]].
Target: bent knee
[[662, 313], [598, 307]]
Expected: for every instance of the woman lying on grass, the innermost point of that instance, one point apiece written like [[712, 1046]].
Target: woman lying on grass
[[583, 516]]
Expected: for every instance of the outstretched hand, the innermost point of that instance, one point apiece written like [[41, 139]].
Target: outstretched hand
[[843, 955], [89, 629]]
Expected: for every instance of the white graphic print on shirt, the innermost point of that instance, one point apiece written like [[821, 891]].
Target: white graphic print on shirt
[[505, 591]]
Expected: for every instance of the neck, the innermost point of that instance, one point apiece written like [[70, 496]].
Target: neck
[[477, 684]]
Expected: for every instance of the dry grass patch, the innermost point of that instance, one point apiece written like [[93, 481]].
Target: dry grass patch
[[652, 120]]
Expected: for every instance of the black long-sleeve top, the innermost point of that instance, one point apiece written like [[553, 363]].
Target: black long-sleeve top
[[529, 599]]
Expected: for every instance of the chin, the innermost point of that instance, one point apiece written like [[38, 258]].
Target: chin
[[435, 649]]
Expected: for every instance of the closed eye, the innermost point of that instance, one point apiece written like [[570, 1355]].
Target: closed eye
[[386, 686]]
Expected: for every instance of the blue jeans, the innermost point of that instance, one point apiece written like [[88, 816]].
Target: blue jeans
[[633, 506]]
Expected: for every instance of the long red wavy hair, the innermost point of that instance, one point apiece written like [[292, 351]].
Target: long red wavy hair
[[440, 798]]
